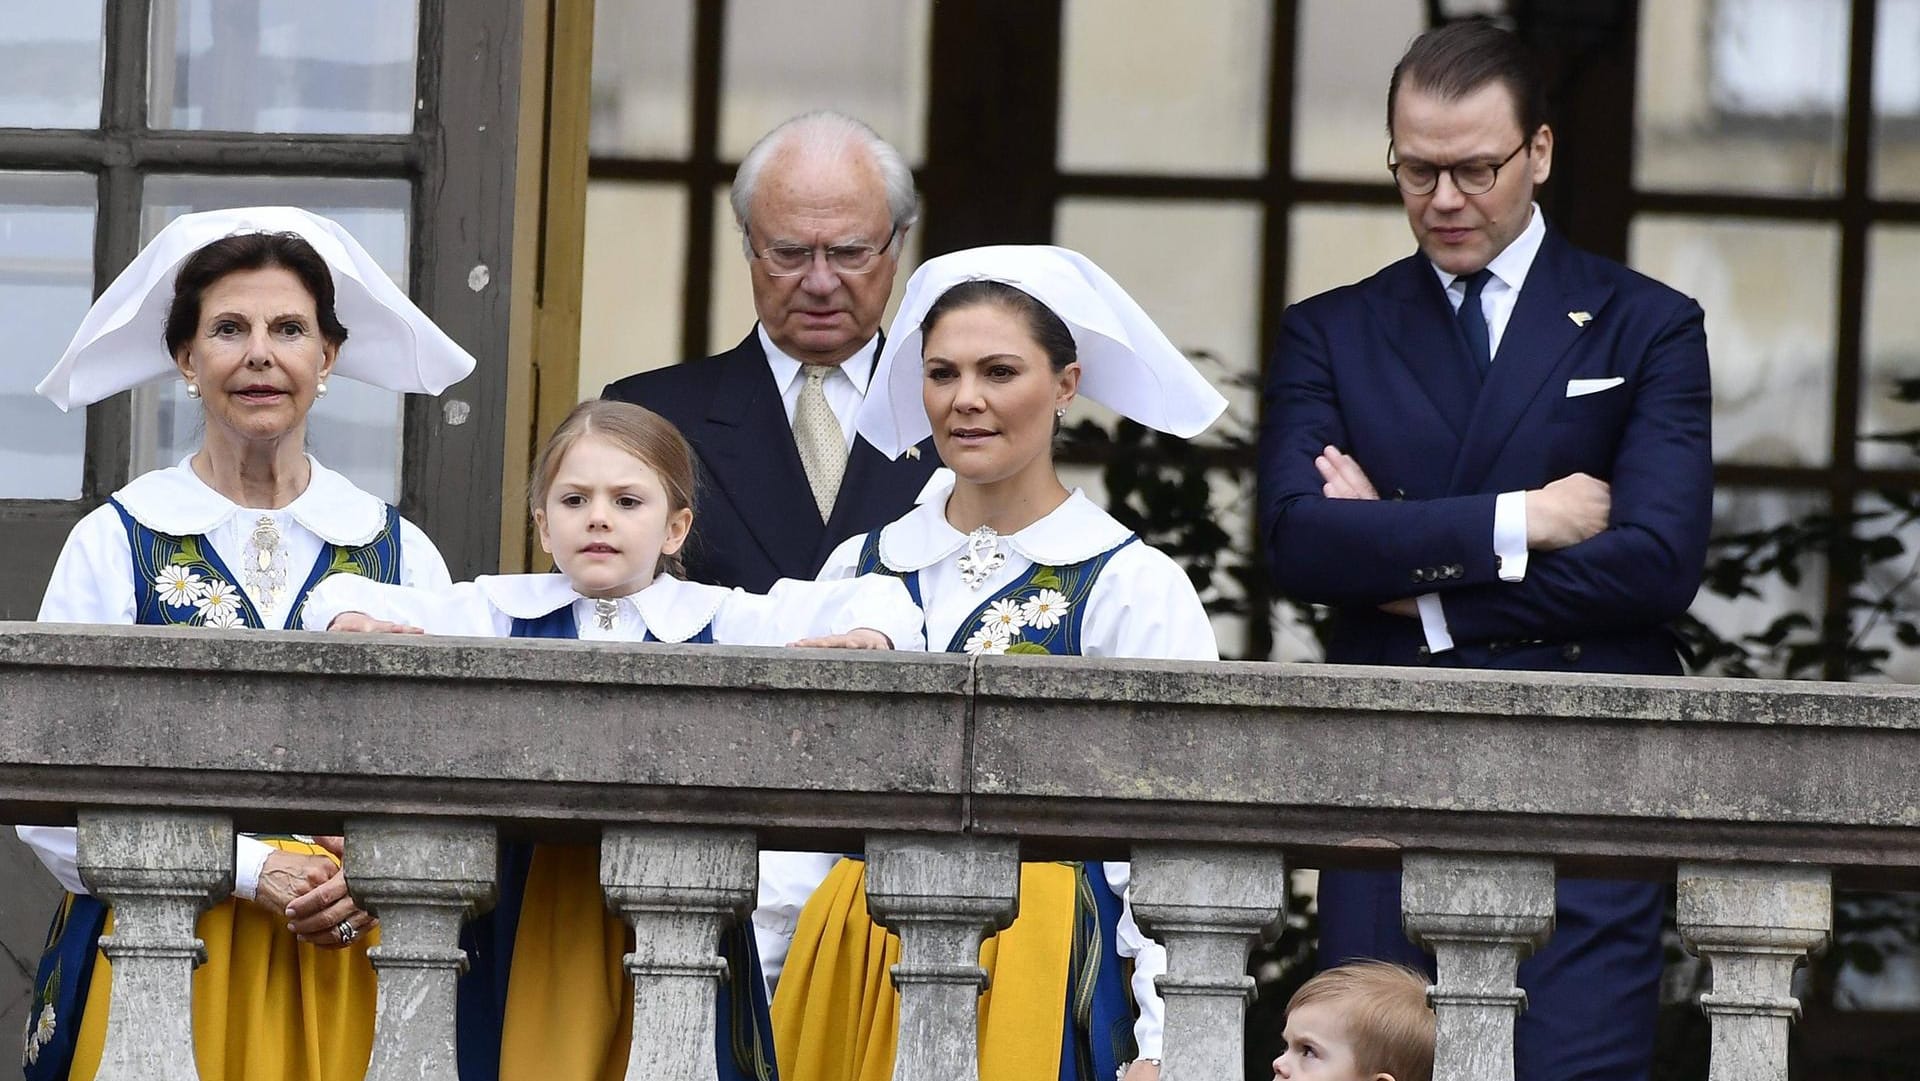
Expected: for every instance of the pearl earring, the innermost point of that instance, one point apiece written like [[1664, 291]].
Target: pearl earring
[[320, 389], [1059, 414], [193, 389]]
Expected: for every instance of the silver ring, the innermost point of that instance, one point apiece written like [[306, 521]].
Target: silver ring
[[345, 931]]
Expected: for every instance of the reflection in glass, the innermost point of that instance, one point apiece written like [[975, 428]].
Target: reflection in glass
[[355, 429], [867, 58], [642, 80], [1748, 510], [1896, 99], [1207, 300], [1755, 103], [1768, 289], [1892, 346], [1187, 96], [1892, 580], [50, 63], [346, 66], [46, 284], [1340, 87], [635, 261]]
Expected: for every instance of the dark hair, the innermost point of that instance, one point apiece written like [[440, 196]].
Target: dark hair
[[1046, 327], [639, 431], [250, 251], [1456, 59]]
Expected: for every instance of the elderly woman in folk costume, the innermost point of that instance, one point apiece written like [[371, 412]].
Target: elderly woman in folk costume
[[251, 308], [989, 347]]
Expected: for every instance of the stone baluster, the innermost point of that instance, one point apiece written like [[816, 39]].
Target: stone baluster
[[158, 871], [421, 877], [680, 887], [1480, 915], [1207, 904], [942, 894], [1753, 925]]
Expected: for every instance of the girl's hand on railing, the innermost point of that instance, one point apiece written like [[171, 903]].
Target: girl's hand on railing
[[362, 623], [858, 638]]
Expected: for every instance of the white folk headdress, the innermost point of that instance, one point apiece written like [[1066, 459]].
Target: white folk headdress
[[122, 341], [1126, 363]]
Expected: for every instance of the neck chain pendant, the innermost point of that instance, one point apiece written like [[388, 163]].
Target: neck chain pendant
[[982, 557], [265, 574], [603, 612]]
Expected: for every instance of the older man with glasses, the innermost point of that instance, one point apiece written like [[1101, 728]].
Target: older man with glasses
[[1495, 453], [824, 205]]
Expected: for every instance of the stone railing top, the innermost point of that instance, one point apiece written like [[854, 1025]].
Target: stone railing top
[[1341, 764]]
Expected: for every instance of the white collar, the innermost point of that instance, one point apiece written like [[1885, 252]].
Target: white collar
[[178, 503], [1076, 530], [673, 609], [1516, 259], [858, 367]]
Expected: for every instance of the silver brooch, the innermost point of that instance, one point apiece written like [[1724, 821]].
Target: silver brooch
[[982, 558], [604, 610], [264, 566]]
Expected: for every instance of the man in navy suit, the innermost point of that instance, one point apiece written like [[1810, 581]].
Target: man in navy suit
[[1495, 453], [823, 205]]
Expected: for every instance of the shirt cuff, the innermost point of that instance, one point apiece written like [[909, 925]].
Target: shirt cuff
[[1510, 535], [249, 859], [1433, 621]]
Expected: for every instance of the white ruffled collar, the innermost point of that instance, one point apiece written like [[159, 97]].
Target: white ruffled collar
[[178, 503], [673, 609], [1074, 531]]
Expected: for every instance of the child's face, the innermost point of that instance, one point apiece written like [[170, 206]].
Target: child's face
[[607, 520], [1318, 1048]]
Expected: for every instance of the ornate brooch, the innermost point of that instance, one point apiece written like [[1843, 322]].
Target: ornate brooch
[[604, 610], [982, 557]]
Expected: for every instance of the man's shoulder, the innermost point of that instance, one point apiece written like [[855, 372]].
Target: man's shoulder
[[1393, 279], [678, 386], [1627, 282]]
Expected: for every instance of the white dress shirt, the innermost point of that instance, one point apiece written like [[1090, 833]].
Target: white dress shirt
[[845, 387]]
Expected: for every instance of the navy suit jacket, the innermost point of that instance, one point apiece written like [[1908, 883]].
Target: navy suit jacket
[[754, 515], [1381, 370]]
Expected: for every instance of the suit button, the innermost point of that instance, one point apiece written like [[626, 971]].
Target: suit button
[[1416, 575], [1571, 652], [1456, 570], [1423, 652], [1399, 493]]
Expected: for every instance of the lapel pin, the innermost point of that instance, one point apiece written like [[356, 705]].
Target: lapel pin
[[1580, 319], [914, 452]]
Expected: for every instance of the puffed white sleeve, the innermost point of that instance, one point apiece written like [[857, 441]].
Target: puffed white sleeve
[[844, 561], [93, 578], [787, 881], [1149, 961], [58, 850], [461, 609], [1144, 605], [420, 562], [794, 609]]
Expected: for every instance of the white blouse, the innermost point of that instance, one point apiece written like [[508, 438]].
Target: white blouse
[[93, 582]]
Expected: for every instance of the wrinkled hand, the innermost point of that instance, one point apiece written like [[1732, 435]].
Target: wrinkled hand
[[1142, 1070], [857, 638], [362, 623], [310, 893], [1566, 512], [1343, 476]]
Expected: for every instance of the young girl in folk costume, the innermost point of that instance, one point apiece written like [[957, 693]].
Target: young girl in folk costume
[[988, 349], [250, 309], [612, 503]]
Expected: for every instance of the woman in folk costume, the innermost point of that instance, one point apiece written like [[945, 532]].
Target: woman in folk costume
[[251, 308], [988, 349], [548, 998]]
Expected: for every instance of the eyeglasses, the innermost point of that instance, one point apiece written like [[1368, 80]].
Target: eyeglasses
[[1471, 177], [789, 260]]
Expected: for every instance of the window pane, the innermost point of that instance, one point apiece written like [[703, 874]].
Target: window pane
[[1206, 299], [642, 79], [1896, 99], [355, 429], [346, 66], [1749, 510], [46, 284], [1340, 92], [635, 267], [50, 60], [1742, 95], [1768, 290], [1188, 95], [1892, 341], [1331, 246], [872, 65]]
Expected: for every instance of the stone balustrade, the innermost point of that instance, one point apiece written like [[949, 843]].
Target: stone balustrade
[[1754, 797]]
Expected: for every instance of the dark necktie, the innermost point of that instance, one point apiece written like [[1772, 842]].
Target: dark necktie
[[1473, 322]]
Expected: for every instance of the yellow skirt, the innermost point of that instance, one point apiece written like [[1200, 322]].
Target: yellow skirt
[[265, 1005], [836, 1014], [569, 1014]]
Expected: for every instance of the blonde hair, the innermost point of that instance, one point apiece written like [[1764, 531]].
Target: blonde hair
[[648, 436], [1384, 1008]]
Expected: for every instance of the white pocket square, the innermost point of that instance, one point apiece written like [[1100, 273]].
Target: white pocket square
[[1577, 388]]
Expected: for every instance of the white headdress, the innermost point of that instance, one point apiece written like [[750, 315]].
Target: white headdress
[[122, 341], [1126, 363]]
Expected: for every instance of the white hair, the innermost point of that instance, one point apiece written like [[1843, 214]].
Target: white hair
[[825, 132]]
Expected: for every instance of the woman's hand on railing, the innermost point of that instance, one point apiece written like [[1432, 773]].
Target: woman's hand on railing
[[1142, 1069], [310, 893]]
